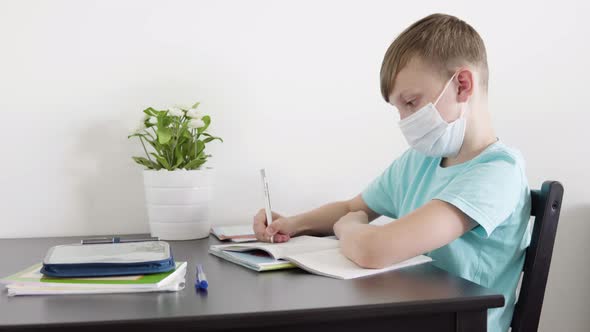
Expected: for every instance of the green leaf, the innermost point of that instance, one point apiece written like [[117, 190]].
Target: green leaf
[[211, 138], [164, 135], [194, 148], [200, 146], [162, 161], [179, 156], [191, 152], [156, 146], [150, 111], [207, 120], [178, 163], [138, 135], [165, 120], [209, 135], [179, 130], [147, 163], [196, 104], [183, 149], [195, 163]]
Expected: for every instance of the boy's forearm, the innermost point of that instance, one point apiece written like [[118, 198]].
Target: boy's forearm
[[320, 221], [357, 242]]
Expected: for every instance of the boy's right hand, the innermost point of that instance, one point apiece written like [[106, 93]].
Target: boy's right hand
[[281, 229]]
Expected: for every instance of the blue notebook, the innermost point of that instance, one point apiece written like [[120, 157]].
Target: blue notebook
[[108, 259]]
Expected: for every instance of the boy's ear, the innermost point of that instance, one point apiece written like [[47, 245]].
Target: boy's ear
[[466, 84]]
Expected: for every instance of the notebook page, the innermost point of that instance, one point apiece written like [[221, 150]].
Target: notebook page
[[296, 245], [331, 263]]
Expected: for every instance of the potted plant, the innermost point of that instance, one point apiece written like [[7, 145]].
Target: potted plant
[[178, 187]]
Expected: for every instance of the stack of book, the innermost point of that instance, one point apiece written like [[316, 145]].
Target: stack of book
[[96, 266], [32, 282]]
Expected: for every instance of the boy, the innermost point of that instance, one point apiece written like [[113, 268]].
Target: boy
[[458, 193]]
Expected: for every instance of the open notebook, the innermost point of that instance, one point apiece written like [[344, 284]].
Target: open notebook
[[314, 254]]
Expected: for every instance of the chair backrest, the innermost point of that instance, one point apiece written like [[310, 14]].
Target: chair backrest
[[546, 205]]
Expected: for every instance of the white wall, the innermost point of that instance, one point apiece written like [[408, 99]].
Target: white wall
[[291, 86]]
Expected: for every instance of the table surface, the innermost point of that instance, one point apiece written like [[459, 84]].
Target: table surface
[[237, 294]]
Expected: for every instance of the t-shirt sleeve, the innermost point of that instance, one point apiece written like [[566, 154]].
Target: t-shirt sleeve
[[488, 193], [378, 195]]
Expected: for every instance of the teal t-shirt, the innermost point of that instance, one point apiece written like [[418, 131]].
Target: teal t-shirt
[[491, 189]]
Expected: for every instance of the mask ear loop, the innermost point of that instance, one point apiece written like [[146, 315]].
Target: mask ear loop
[[444, 89]]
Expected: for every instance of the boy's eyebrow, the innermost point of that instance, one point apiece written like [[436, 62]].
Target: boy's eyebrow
[[407, 93]]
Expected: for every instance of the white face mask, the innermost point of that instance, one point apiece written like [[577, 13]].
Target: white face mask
[[427, 132]]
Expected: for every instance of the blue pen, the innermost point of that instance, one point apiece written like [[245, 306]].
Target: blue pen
[[201, 281]]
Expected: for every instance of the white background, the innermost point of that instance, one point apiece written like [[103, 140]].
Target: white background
[[291, 86]]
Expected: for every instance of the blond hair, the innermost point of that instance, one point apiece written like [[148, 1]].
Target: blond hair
[[439, 39]]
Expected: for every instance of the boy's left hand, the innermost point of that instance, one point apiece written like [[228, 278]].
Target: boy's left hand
[[351, 218]]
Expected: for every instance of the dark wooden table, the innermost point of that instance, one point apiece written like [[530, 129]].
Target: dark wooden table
[[419, 298]]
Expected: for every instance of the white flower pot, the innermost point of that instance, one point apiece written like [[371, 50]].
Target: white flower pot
[[178, 203]]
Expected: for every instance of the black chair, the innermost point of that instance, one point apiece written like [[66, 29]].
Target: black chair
[[546, 205]]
